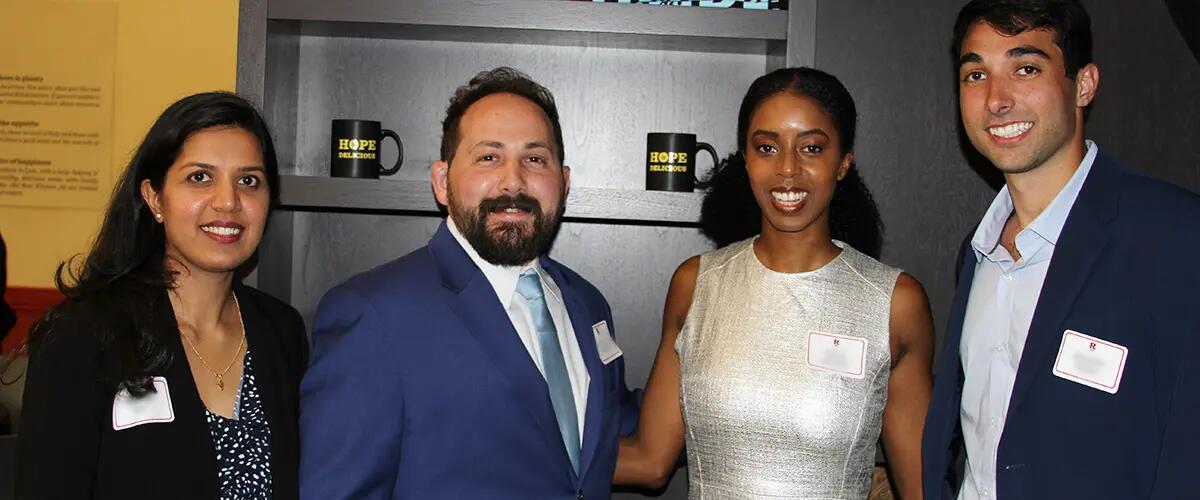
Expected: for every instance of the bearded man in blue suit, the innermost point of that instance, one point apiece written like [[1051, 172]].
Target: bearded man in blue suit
[[474, 367], [1069, 369]]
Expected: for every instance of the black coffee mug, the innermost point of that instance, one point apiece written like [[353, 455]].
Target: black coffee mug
[[355, 147], [671, 160]]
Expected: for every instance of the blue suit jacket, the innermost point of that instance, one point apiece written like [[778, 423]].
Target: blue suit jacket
[[420, 388], [1126, 269]]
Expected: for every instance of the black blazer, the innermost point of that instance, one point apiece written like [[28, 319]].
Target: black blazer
[[67, 446]]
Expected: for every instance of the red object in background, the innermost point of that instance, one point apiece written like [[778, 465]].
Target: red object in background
[[29, 304]]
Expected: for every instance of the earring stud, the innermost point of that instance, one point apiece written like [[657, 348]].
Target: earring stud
[[158, 217]]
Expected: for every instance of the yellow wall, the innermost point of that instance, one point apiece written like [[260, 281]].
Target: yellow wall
[[166, 49]]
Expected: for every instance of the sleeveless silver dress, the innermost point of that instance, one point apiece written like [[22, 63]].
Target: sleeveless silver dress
[[765, 417]]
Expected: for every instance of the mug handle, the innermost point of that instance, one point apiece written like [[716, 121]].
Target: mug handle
[[400, 153], [704, 146]]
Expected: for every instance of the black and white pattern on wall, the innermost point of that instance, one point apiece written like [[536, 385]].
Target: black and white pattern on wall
[[720, 4], [243, 444]]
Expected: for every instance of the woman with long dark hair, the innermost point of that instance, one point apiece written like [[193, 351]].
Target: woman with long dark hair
[[786, 355], [160, 375]]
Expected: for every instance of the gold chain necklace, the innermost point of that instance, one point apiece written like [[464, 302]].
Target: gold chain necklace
[[220, 376]]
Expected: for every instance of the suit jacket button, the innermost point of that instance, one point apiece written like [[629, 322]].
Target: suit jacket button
[[579, 496]]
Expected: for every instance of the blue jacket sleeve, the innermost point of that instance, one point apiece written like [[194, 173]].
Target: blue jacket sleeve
[[351, 403], [1175, 476]]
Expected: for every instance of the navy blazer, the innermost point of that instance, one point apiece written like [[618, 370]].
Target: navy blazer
[[420, 388], [1126, 270]]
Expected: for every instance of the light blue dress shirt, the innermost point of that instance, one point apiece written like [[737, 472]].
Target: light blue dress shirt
[[1004, 294]]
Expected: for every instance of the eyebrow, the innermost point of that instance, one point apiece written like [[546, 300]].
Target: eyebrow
[[803, 133], [500, 145], [1024, 50], [206, 166], [1027, 50]]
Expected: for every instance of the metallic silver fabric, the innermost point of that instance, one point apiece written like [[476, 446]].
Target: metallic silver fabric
[[761, 422]]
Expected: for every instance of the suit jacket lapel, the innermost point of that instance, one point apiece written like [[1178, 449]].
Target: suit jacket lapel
[[949, 382], [951, 360], [581, 318], [1079, 246], [488, 322]]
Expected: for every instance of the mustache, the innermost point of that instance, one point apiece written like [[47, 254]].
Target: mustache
[[520, 201]]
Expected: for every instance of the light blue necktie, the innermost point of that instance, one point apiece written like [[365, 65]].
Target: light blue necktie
[[555, 367]]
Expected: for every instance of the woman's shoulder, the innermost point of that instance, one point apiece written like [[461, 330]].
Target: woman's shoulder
[[277, 313], [260, 299], [720, 257], [72, 329], [882, 277], [265, 304]]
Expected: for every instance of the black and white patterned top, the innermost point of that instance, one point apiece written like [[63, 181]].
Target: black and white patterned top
[[243, 444]]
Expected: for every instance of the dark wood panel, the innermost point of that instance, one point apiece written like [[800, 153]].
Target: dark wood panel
[[252, 49], [697, 43], [550, 15]]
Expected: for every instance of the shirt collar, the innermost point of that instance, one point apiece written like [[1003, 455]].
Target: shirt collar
[[1048, 224], [503, 278]]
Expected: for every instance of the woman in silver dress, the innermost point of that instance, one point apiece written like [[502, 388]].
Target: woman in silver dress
[[784, 356]]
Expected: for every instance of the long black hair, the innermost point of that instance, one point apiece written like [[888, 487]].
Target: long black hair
[[120, 287], [730, 212]]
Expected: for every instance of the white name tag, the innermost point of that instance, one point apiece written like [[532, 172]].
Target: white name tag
[[840, 354], [605, 345], [1090, 361], [152, 407]]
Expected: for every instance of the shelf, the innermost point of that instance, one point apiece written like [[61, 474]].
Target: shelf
[[631, 205], [560, 16]]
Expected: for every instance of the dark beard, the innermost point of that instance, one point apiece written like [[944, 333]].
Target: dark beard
[[509, 244]]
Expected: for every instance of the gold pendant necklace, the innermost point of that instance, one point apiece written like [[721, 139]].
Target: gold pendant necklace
[[221, 376]]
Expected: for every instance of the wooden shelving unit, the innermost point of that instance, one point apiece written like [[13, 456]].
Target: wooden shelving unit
[[316, 193], [617, 71]]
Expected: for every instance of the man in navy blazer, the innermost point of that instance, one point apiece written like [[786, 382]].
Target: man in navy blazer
[[474, 367], [1069, 369]]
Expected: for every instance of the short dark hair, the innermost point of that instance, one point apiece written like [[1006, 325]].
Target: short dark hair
[[496, 81], [1066, 18]]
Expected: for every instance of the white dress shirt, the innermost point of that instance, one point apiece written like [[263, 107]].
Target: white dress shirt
[[504, 280], [1004, 294]]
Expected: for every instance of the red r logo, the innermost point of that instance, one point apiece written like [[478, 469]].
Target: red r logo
[[1092, 346]]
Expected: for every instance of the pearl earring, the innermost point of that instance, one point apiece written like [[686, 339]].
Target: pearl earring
[[158, 217]]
